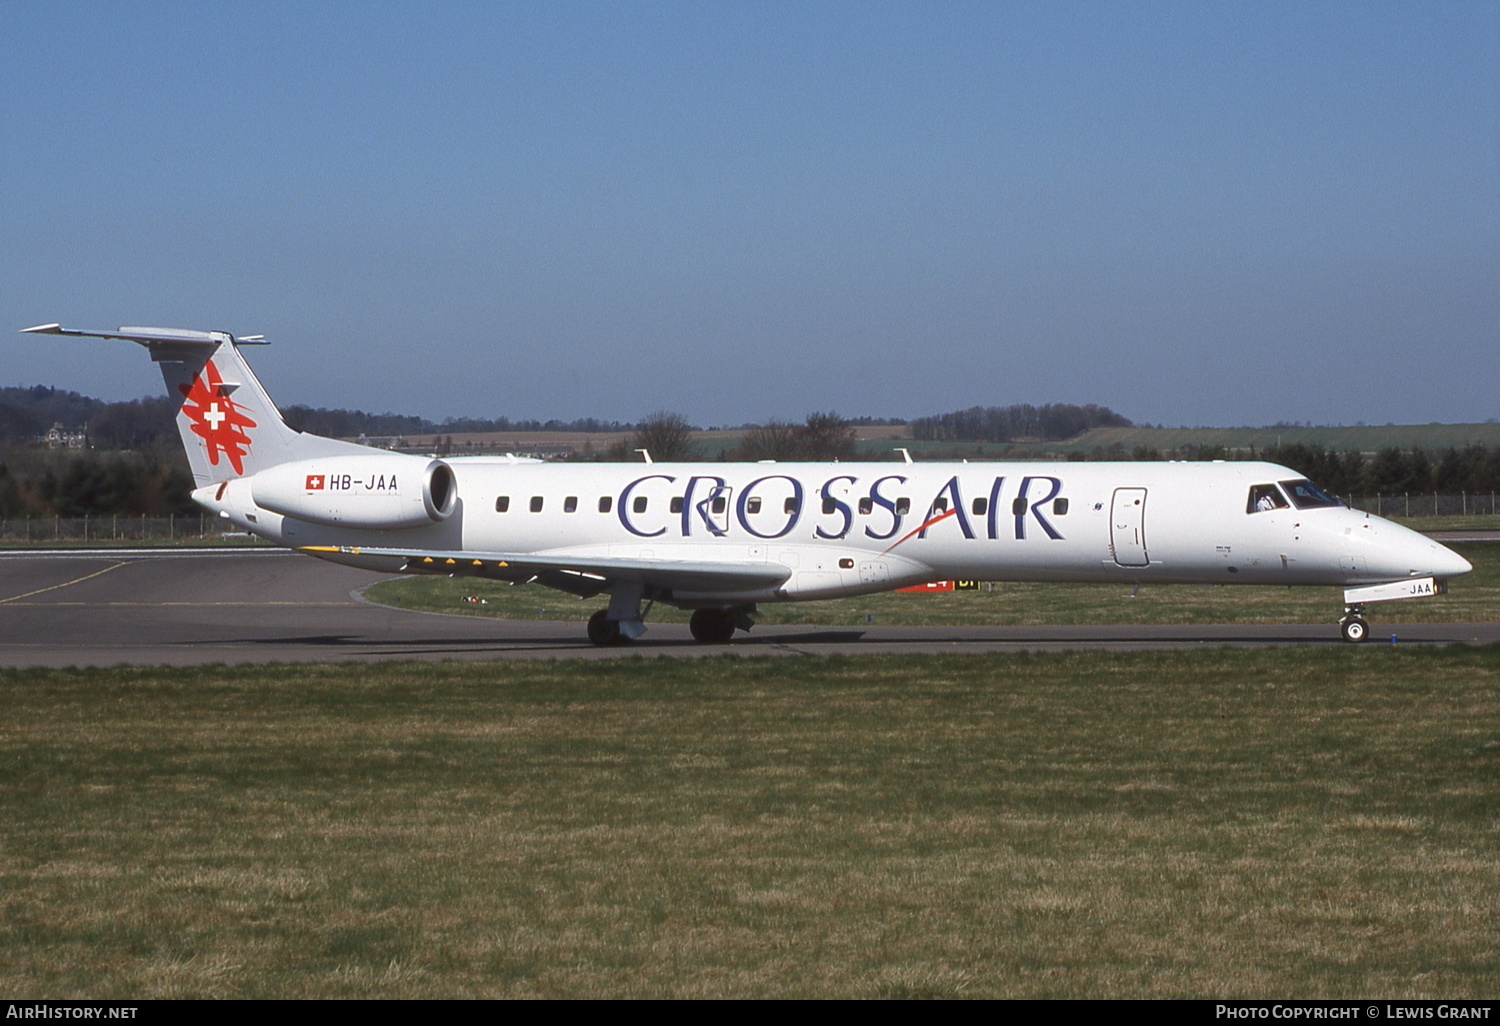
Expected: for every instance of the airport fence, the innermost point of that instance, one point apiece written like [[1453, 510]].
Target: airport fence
[[1426, 504], [111, 527]]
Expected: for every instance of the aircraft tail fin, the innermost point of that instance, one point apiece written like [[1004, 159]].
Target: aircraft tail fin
[[229, 425]]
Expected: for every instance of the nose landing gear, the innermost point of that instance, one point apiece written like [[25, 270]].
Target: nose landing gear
[[1353, 626]]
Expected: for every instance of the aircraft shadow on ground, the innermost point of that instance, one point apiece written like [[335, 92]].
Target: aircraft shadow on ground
[[570, 639], [573, 640]]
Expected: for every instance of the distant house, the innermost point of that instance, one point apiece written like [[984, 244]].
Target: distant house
[[59, 437], [382, 441]]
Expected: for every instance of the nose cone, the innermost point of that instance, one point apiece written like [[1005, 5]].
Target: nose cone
[[1400, 553], [1447, 563]]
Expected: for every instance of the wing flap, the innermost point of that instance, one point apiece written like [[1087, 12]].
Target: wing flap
[[586, 575]]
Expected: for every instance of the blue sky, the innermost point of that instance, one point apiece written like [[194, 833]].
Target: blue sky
[[1193, 213]]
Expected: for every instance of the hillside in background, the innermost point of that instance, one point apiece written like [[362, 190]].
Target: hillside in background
[[1364, 438], [135, 464], [1208, 443], [26, 412], [1049, 431]]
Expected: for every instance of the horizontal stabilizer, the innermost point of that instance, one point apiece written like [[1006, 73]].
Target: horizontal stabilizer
[[230, 428], [145, 336]]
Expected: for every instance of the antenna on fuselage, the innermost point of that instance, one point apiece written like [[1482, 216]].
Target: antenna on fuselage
[[647, 454], [905, 454]]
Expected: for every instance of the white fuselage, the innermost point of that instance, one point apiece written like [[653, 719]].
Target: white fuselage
[[722, 537], [850, 528]]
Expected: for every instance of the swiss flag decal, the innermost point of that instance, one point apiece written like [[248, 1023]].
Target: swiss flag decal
[[217, 419], [315, 482]]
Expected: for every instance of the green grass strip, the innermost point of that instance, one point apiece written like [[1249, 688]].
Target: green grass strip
[[1317, 823]]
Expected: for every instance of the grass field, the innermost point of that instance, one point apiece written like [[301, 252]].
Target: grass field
[[1311, 823], [1451, 522], [1473, 597]]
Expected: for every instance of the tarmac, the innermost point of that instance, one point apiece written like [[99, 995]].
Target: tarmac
[[195, 607]]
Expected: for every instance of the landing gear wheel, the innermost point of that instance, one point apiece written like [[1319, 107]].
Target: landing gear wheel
[[1354, 628], [605, 632], [712, 626]]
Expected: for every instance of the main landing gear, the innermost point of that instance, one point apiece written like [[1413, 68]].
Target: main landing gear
[[621, 622], [605, 632], [712, 626], [1353, 625], [608, 628]]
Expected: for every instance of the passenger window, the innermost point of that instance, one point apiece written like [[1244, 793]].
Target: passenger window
[[865, 506], [1018, 506], [536, 504], [903, 507], [718, 504], [790, 505], [606, 503], [1264, 497], [830, 506], [676, 504], [639, 505], [981, 507], [846, 564], [939, 506], [502, 504], [570, 504], [752, 505], [1059, 507]]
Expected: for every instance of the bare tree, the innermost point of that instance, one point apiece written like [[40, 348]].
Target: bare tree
[[777, 440], [666, 436], [827, 436]]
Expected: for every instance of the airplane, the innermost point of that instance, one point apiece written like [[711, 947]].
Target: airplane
[[720, 539]]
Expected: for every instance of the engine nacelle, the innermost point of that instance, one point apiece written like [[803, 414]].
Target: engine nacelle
[[379, 491]]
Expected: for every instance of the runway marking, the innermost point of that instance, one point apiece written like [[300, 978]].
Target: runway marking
[[255, 605], [66, 584]]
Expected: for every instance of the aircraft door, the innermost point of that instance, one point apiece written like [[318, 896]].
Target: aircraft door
[[1127, 527], [714, 509]]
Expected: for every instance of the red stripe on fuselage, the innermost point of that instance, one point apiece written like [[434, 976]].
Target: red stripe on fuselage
[[918, 530]]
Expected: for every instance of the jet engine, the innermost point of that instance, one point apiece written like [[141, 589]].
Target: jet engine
[[384, 491]]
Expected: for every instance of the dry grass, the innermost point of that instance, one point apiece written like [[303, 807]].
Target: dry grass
[[1214, 824]]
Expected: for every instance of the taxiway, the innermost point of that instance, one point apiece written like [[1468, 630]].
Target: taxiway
[[187, 607]]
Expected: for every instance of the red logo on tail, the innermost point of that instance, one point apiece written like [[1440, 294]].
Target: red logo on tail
[[217, 419]]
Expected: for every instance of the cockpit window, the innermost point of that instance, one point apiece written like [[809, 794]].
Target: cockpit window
[[1306, 495], [1264, 497]]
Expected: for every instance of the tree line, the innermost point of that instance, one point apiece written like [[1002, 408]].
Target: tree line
[[26, 413], [1473, 469], [90, 484], [146, 473], [1051, 422], [353, 423], [668, 437]]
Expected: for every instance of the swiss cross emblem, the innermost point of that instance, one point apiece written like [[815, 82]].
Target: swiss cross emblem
[[315, 482], [217, 419]]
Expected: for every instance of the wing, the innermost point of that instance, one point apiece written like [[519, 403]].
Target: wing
[[581, 575]]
